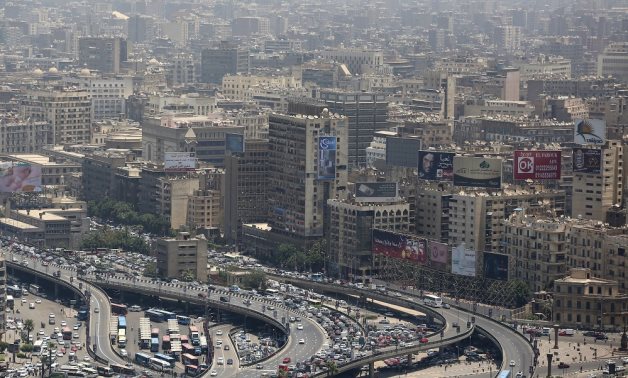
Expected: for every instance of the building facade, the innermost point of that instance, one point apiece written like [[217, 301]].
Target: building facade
[[183, 256]]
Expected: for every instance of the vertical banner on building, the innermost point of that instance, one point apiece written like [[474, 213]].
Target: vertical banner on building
[[463, 261], [537, 165], [327, 157], [438, 253]]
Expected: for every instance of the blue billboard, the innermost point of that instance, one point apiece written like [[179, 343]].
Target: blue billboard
[[327, 157], [234, 143]]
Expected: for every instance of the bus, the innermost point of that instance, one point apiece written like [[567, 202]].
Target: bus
[[314, 302], [33, 288], [154, 332], [38, 347], [122, 338], [271, 292], [154, 315], [104, 371], [142, 358], [194, 334], [183, 320], [318, 277], [191, 370], [119, 309], [433, 300], [165, 357], [14, 290], [124, 370], [167, 314], [203, 342], [159, 365], [184, 339], [165, 342], [121, 322], [187, 348], [189, 359], [82, 315], [504, 374], [10, 302], [67, 333], [154, 344]]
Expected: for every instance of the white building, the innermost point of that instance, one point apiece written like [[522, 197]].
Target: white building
[[377, 149], [614, 61], [108, 94]]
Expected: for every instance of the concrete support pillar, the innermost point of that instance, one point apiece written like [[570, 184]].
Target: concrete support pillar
[[549, 365], [56, 290], [409, 359], [556, 326], [371, 370]]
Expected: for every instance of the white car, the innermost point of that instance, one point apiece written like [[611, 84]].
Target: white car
[[64, 323], [213, 373], [96, 310], [300, 327], [219, 333], [301, 341], [512, 363], [37, 300], [221, 361], [123, 352], [86, 359]]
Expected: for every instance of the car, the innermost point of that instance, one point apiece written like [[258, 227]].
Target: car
[[301, 341], [221, 361], [123, 352], [96, 310], [446, 305], [423, 340], [227, 347], [41, 332], [563, 365], [230, 361], [389, 314], [213, 373], [38, 301], [384, 321], [286, 360], [601, 336], [64, 323], [23, 300], [76, 327], [259, 366], [512, 363], [75, 335], [135, 308], [86, 359], [59, 353], [219, 333], [300, 327]]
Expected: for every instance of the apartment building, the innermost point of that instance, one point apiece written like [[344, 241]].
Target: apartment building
[[183, 256], [19, 135], [357, 61], [238, 87], [108, 94], [614, 61]]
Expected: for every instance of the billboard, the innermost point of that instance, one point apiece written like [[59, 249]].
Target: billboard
[[17, 177], [399, 246], [587, 160], [589, 131], [438, 252], [401, 152], [463, 261], [496, 266], [234, 143], [436, 165], [179, 161], [477, 171], [537, 165], [327, 157], [376, 191]]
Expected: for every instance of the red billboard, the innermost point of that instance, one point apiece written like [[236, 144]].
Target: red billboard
[[537, 165], [398, 246]]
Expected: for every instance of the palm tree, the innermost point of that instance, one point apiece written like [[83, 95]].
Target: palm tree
[[332, 368], [29, 326]]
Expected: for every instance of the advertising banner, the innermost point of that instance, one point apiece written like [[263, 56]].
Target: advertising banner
[[436, 165], [16, 177], [401, 152], [399, 246], [589, 131], [537, 165], [496, 266], [179, 161], [463, 261], [438, 252], [234, 143], [327, 158], [587, 160], [477, 171], [375, 191]]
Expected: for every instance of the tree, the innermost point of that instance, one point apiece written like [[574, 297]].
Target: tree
[[3, 346], [520, 292], [29, 326], [188, 276], [26, 348], [255, 279], [316, 255], [150, 269], [332, 368]]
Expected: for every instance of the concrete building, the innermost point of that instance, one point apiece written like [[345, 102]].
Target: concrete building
[[189, 103], [546, 67], [614, 62], [446, 84], [349, 236], [52, 229], [19, 135], [376, 151], [500, 107], [595, 194], [176, 31], [507, 38], [183, 256], [247, 26], [68, 111], [99, 170], [432, 212], [538, 249], [141, 28], [181, 70], [224, 60], [366, 113], [3, 296], [54, 170], [108, 94], [581, 88], [357, 61], [173, 198], [297, 197], [238, 87], [563, 109], [104, 54], [246, 188], [583, 301]]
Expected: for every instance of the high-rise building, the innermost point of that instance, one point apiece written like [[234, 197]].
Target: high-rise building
[[226, 59], [23, 136], [141, 28], [507, 38], [366, 113], [358, 61], [614, 61], [595, 194], [302, 174], [246, 177], [245, 26], [183, 256], [67, 111], [108, 94], [104, 54]]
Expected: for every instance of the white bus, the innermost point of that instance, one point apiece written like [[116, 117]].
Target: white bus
[[38, 347], [433, 300], [159, 365]]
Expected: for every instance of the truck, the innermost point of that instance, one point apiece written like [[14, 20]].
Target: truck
[[567, 332]]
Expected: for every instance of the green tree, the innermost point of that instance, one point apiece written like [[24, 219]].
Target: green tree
[[255, 279], [3, 346], [332, 368], [29, 326], [316, 255], [520, 292], [188, 276], [150, 269], [26, 348]]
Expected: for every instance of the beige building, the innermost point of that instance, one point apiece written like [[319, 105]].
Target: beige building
[[595, 194], [23, 136], [238, 87], [538, 249], [181, 256], [582, 300], [432, 212], [349, 237], [614, 61], [358, 61], [68, 112], [205, 209], [173, 196], [189, 103]]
